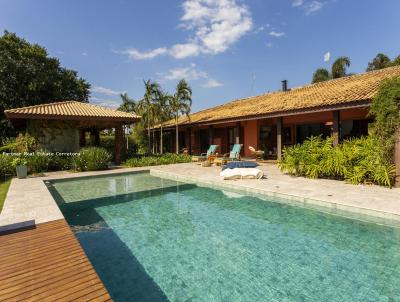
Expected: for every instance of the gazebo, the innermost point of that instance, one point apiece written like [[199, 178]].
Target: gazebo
[[62, 126]]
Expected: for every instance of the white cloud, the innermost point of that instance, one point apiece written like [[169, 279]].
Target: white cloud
[[84, 54], [105, 91], [187, 73], [213, 26], [269, 44], [180, 51], [297, 3], [308, 7], [113, 104], [313, 7], [276, 34], [327, 56], [135, 54], [212, 83]]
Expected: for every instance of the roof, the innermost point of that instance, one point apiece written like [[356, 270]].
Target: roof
[[70, 110], [355, 90]]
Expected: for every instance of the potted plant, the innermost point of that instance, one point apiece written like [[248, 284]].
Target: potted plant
[[21, 167]]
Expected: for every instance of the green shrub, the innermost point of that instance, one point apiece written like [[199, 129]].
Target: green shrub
[[38, 162], [6, 165], [60, 163], [155, 160], [92, 159], [356, 161]]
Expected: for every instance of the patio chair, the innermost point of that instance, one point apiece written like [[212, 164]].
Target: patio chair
[[204, 156], [234, 155]]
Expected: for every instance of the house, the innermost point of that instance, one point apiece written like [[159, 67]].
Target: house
[[62, 126], [270, 121]]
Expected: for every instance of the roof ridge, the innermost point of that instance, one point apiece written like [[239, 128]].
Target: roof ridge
[[41, 105]]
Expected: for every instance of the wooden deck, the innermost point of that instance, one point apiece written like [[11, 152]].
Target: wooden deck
[[47, 263]]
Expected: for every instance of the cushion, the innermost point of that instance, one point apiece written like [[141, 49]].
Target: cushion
[[239, 164]]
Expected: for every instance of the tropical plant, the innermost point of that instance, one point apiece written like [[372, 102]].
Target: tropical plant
[[92, 159], [6, 165], [338, 70], [155, 160], [128, 104], [180, 104], [356, 161], [339, 67], [147, 106], [164, 113]]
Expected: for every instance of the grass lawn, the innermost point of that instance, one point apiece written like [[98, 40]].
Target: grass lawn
[[4, 185]]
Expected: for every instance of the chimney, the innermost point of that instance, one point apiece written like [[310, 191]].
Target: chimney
[[284, 85]]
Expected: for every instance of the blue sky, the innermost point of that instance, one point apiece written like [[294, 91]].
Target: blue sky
[[226, 49]]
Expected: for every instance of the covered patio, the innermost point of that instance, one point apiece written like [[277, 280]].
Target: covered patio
[[62, 126]]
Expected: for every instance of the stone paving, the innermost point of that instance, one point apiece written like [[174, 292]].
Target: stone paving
[[29, 201]]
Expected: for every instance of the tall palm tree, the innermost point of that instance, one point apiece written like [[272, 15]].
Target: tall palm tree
[[163, 112], [128, 104], [339, 67], [146, 105], [181, 103]]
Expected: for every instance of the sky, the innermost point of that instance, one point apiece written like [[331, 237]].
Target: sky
[[225, 49]]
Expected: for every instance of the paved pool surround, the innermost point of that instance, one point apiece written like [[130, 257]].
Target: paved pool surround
[[29, 202]]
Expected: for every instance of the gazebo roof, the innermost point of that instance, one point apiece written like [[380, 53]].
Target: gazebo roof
[[71, 110]]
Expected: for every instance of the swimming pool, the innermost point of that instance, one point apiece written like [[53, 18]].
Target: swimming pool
[[154, 239]]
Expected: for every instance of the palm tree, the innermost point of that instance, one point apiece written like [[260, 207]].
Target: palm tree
[[181, 103], [339, 67], [128, 104], [338, 70], [146, 105], [320, 75], [163, 112]]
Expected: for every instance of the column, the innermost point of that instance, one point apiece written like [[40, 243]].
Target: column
[[336, 127], [237, 133], [210, 135], [119, 143], [279, 124]]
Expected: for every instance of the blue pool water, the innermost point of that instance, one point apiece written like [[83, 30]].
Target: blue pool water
[[152, 239]]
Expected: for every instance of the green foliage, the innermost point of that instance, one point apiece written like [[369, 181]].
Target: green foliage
[[338, 70], [154, 160], [4, 185], [339, 67], [380, 61], [385, 108], [320, 75], [356, 161], [38, 162], [40, 78], [6, 165], [92, 159]]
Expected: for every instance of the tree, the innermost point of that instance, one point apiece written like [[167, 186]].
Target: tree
[[338, 70], [339, 67], [28, 76], [164, 112], [181, 103], [380, 61], [320, 75], [396, 61], [128, 104]]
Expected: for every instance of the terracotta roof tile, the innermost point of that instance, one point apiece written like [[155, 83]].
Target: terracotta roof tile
[[70, 109], [359, 88]]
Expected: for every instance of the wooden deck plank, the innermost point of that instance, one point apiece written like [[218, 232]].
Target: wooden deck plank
[[47, 263]]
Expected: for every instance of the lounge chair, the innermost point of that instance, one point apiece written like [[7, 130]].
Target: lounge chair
[[256, 153], [204, 156], [234, 155]]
